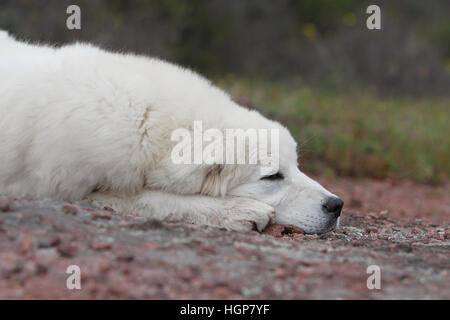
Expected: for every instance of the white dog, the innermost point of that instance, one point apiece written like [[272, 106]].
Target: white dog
[[78, 122]]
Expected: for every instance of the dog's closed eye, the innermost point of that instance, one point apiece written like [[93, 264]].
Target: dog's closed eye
[[276, 176]]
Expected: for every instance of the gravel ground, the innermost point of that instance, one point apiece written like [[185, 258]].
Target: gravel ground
[[403, 199], [124, 256]]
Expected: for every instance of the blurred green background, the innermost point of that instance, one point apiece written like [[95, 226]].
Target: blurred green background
[[363, 103]]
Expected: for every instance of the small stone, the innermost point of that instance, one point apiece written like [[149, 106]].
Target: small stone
[[100, 245], [384, 214], [275, 230], [48, 242], [148, 224], [372, 215], [40, 269], [371, 229], [404, 247], [290, 230], [70, 209], [125, 257], [5, 203], [17, 214], [416, 230], [311, 236], [151, 245], [123, 223], [280, 272], [104, 267], [66, 249], [27, 243], [434, 225], [101, 215]]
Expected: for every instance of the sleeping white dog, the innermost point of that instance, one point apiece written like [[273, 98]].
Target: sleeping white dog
[[78, 122]]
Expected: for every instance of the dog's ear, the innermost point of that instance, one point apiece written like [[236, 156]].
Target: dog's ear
[[216, 180]]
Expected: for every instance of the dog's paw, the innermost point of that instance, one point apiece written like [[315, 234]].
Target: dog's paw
[[244, 214]]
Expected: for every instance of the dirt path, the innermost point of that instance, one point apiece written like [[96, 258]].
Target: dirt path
[[123, 256]]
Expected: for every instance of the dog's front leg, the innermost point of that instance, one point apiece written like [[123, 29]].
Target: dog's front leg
[[231, 213]]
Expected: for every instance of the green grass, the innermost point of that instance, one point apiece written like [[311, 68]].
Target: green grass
[[357, 133]]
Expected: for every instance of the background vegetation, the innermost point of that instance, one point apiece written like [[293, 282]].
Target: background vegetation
[[360, 102], [357, 133]]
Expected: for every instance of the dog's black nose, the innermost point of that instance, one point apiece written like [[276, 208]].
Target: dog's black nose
[[333, 205]]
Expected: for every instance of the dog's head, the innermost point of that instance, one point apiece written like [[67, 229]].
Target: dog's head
[[297, 199], [274, 178]]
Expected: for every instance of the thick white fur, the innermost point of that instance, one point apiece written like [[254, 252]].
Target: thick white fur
[[78, 122]]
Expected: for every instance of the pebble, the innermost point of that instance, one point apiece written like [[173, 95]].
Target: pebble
[[371, 229], [404, 246], [48, 242], [311, 236], [100, 245], [69, 209], [151, 245], [27, 243], [101, 215], [127, 257], [384, 214], [123, 223], [5, 203], [40, 269], [104, 267], [66, 249]]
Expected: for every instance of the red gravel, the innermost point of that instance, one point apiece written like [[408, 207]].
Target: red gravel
[[402, 199], [124, 256]]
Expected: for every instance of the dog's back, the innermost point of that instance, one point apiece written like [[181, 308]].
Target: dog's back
[[57, 124]]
